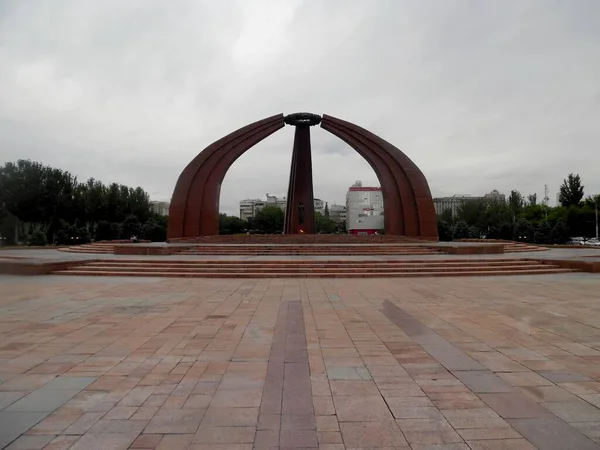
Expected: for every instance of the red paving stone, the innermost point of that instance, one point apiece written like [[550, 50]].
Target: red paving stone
[[470, 363]]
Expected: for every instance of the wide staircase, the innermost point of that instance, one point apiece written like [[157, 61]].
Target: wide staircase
[[107, 247], [100, 247], [518, 247], [310, 250], [313, 268], [509, 246]]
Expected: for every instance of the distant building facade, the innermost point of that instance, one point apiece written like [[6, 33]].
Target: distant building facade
[[337, 213], [455, 202], [161, 208], [495, 196], [364, 209], [319, 206], [249, 207]]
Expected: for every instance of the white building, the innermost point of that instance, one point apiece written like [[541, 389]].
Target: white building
[[319, 206], [161, 208], [249, 207], [364, 209], [337, 213], [455, 202], [496, 196]]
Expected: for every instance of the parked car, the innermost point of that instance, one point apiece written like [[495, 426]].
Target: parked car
[[577, 241], [594, 242]]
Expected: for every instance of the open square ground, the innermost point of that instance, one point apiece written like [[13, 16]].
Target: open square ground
[[439, 363]]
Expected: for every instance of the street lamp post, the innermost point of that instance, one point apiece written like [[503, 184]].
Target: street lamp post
[[596, 203]]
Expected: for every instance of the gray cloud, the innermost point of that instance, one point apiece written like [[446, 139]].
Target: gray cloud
[[481, 95]]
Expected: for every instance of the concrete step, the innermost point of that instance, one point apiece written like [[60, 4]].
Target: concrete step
[[90, 251], [288, 261], [305, 252], [341, 274], [308, 269], [292, 264], [309, 248]]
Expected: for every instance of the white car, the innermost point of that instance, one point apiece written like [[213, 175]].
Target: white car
[[595, 242]]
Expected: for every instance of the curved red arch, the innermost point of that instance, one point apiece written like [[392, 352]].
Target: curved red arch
[[194, 209], [408, 205], [407, 200]]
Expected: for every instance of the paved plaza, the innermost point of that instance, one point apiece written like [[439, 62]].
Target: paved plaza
[[501, 363]]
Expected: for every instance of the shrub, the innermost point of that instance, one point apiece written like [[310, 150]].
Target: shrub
[[38, 238]]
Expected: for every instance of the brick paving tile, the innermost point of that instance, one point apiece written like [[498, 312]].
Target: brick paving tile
[[104, 441], [579, 411], [514, 406], [145, 413], [548, 394], [83, 423], [224, 435], [525, 378], [222, 447], [121, 412], [298, 438], [61, 442], [479, 434], [501, 444], [361, 409], [475, 363], [173, 441], [372, 434], [31, 442], [147, 441], [327, 423], [451, 446], [54, 424], [171, 421], [269, 422], [474, 418], [552, 434]]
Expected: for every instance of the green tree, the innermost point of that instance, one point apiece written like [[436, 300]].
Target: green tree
[[543, 233], [32, 192], [326, 212], [269, 220], [154, 231], [444, 230], [131, 226], [324, 224], [474, 233], [38, 238], [592, 201], [523, 230], [446, 216], [532, 199], [460, 230], [474, 212], [104, 231], [231, 224], [559, 234], [515, 201], [506, 231], [571, 191]]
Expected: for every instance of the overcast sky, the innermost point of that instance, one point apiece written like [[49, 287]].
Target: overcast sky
[[481, 95]]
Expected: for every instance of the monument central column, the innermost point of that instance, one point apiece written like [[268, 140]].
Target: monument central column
[[300, 208]]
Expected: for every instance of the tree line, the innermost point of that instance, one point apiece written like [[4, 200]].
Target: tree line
[[41, 204], [270, 220], [524, 218]]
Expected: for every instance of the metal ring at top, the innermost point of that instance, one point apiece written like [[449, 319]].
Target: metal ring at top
[[302, 119]]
